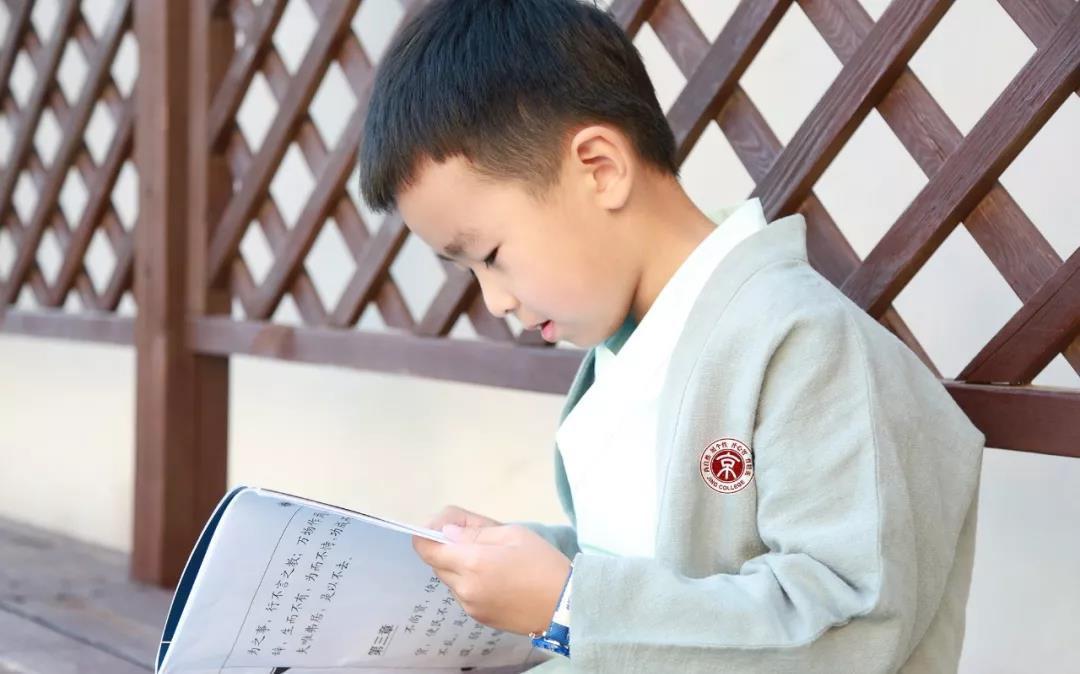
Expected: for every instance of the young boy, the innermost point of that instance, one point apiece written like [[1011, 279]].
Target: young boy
[[759, 477]]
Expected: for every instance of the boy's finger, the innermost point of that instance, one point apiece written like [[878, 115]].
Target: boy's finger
[[425, 548], [444, 557], [449, 515], [462, 534], [453, 514]]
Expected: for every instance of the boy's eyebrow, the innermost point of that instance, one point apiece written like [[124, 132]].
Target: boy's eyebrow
[[456, 248]]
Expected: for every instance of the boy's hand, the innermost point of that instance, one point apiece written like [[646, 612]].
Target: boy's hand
[[504, 576]]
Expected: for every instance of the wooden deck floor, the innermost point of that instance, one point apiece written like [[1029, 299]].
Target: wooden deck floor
[[68, 608]]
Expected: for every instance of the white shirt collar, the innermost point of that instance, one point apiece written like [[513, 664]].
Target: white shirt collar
[[647, 346]]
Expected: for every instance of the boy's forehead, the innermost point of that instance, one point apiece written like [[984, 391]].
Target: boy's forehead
[[436, 193], [443, 180], [448, 205]]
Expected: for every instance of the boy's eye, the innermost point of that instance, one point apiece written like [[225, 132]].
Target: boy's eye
[[490, 259]]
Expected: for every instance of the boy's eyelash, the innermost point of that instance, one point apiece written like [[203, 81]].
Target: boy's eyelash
[[488, 261]]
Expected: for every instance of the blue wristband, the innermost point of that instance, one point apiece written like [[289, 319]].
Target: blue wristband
[[557, 636]]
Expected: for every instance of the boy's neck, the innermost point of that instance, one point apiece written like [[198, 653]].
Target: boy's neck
[[672, 227]]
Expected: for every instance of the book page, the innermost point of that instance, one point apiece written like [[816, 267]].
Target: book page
[[290, 583]]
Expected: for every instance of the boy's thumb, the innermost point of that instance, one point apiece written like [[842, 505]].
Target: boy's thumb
[[453, 531]]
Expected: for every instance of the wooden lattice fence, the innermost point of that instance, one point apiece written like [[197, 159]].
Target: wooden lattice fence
[[202, 186]]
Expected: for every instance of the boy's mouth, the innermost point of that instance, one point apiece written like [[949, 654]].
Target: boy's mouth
[[547, 330]]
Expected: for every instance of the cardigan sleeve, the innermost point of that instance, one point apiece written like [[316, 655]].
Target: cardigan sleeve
[[838, 534]]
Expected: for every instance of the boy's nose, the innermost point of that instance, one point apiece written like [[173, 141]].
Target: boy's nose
[[499, 302]]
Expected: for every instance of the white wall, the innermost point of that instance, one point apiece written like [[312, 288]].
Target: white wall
[[384, 444], [404, 447]]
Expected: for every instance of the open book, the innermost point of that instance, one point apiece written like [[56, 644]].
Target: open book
[[278, 583]]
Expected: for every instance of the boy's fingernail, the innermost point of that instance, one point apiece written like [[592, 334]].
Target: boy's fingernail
[[452, 531]]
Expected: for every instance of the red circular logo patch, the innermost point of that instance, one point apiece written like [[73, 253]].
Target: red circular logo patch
[[727, 465]]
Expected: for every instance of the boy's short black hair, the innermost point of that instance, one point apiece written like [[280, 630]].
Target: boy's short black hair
[[501, 82]]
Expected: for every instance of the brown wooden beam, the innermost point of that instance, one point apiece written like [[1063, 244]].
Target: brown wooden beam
[[757, 147], [1038, 18], [372, 269], [182, 397], [242, 69], [18, 20], [712, 82], [865, 78], [630, 14], [1015, 117], [56, 324], [1006, 234], [99, 199], [305, 83], [1023, 418], [30, 114], [1035, 334], [70, 143], [273, 226], [546, 370], [329, 187], [453, 298], [1028, 419]]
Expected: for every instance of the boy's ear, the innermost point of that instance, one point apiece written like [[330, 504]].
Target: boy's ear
[[603, 158]]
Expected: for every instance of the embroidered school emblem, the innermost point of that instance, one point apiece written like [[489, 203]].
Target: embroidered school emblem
[[727, 465]]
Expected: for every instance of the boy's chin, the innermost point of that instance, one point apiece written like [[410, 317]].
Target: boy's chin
[[579, 342], [577, 338]]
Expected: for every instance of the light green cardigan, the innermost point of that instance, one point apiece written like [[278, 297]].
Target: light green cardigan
[[849, 551]]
